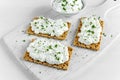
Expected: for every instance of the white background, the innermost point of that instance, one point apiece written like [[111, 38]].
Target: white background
[[16, 12]]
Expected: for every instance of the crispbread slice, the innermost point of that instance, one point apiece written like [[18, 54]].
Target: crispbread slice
[[62, 37], [63, 66], [94, 46]]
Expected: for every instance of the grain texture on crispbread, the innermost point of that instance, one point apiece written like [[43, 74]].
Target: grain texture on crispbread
[[94, 46]]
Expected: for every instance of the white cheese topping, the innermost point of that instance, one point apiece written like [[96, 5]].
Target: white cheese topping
[[90, 30], [49, 26], [67, 6], [52, 52]]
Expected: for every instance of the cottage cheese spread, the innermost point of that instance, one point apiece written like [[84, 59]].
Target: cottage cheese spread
[[90, 30], [46, 50], [67, 6], [49, 26]]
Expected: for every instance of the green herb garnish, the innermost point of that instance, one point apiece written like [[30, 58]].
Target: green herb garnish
[[22, 30], [99, 17], [57, 58], [47, 49], [28, 34], [79, 9], [90, 23], [104, 35], [64, 8], [40, 72], [74, 2], [35, 50], [46, 22], [51, 26], [56, 45], [93, 26], [58, 52], [37, 27], [23, 40], [88, 31], [64, 24], [92, 32], [50, 47], [35, 22], [42, 28], [63, 4], [41, 17], [111, 35], [53, 31], [64, 0]]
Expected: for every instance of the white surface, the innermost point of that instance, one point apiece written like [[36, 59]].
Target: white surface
[[15, 12]]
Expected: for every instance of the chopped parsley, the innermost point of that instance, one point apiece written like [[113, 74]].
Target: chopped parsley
[[64, 0], [79, 9], [56, 45], [40, 72], [90, 23], [91, 31], [22, 30], [99, 17], [58, 52], [57, 58], [64, 24], [42, 28], [72, 5], [35, 22], [64, 8], [41, 17], [37, 27], [93, 26], [28, 34], [53, 31], [74, 2], [23, 40], [46, 22], [47, 49], [35, 50], [111, 35], [88, 31], [104, 35], [51, 26], [63, 4], [50, 47]]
